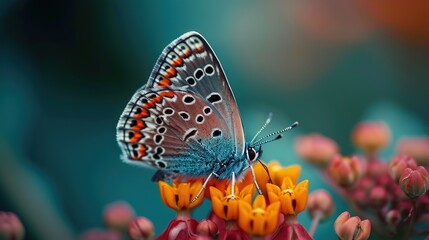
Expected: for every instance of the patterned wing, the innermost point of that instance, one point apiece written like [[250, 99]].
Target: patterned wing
[[189, 62], [172, 130], [185, 119]]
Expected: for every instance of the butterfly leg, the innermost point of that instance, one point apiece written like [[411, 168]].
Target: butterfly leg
[[254, 179], [233, 185], [203, 187]]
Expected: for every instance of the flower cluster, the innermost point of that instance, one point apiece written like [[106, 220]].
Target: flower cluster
[[237, 211], [393, 195]]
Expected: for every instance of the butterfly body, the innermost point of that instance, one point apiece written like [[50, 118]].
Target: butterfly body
[[185, 121]]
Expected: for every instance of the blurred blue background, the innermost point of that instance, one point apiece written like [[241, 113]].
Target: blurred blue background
[[67, 69]]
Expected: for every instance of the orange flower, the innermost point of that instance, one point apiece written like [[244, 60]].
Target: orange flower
[[293, 198], [371, 136], [259, 219], [178, 196], [226, 205], [277, 174], [292, 172]]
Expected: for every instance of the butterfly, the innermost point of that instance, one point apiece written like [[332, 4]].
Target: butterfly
[[185, 121]]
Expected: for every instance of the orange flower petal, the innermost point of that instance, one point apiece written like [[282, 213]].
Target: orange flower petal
[[272, 217], [301, 196], [195, 188], [259, 202], [249, 189], [218, 207], [258, 224], [273, 189], [273, 197], [244, 215], [292, 172], [232, 209], [184, 195], [286, 204], [167, 194], [215, 193], [274, 166], [287, 183]]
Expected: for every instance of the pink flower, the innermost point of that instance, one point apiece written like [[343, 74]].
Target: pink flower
[[316, 148], [393, 217], [345, 171], [398, 164], [414, 183], [141, 228], [417, 147], [354, 228], [10, 226], [371, 136], [179, 228], [118, 215], [207, 228], [320, 203]]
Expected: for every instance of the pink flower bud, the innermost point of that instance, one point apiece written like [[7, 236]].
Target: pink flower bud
[[371, 136], [316, 148], [398, 164], [366, 183], [376, 168], [414, 183], [360, 197], [386, 181], [118, 215], [10, 226], [378, 197], [348, 227], [320, 202], [141, 228], [207, 228], [417, 147], [393, 217], [345, 171]]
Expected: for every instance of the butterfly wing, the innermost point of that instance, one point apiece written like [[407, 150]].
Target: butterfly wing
[[190, 62], [185, 119]]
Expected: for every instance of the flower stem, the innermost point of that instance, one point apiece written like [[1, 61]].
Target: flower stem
[[412, 219], [315, 223]]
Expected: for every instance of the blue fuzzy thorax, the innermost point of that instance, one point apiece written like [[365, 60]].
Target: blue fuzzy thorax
[[220, 158]]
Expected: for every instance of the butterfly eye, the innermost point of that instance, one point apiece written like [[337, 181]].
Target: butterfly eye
[[252, 155]]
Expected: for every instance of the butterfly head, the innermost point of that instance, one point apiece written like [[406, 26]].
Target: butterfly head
[[253, 153]]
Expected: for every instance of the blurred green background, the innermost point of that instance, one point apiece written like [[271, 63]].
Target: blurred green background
[[68, 68]]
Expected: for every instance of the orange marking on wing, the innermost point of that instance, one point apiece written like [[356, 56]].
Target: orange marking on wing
[[187, 53], [137, 136], [142, 150], [144, 113], [168, 94], [165, 82], [177, 62], [199, 49], [140, 125], [157, 99], [170, 73]]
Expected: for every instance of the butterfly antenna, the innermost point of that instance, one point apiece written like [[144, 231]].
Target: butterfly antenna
[[270, 116], [278, 133]]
